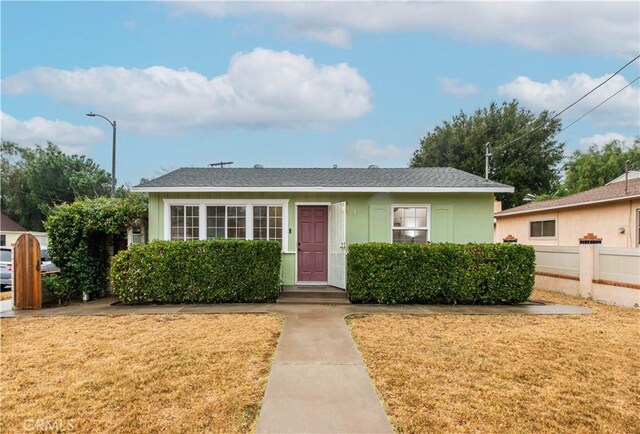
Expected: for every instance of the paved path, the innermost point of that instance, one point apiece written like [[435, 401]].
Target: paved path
[[318, 383]]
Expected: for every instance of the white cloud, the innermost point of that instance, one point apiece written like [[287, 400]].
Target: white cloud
[[623, 110], [72, 139], [263, 88], [591, 27], [455, 86], [366, 149], [602, 139]]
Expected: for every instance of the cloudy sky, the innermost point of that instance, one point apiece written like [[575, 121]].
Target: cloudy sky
[[303, 84]]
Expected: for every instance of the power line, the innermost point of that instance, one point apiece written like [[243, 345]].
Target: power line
[[576, 101], [629, 84]]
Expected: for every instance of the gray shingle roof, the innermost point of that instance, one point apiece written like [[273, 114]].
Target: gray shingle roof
[[327, 179]]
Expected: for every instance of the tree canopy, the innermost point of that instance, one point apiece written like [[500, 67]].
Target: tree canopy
[[530, 164], [597, 166], [35, 179]]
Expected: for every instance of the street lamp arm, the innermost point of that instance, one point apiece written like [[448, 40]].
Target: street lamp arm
[[92, 114]]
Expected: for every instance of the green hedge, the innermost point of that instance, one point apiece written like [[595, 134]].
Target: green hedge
[[215, 271], [440, 273]]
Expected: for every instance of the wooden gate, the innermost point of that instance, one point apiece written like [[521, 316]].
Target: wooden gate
[[27, 280]]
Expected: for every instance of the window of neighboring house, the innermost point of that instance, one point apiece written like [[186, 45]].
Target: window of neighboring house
[[267, 223], [542, 228], [3, 240], [410, 224], [638, 227], [185, 222]]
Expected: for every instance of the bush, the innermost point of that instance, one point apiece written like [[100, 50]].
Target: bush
[[213, 271], [440, 273], [57, 286], [78, 234]]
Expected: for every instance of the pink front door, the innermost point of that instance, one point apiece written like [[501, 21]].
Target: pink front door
[[312, 243]]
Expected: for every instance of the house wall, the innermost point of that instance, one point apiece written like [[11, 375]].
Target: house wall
[[12, 237], [604, 220], [457, 218]]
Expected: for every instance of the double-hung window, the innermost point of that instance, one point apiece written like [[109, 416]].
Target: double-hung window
[[226, 222], [185, 222], [410, 224], [267, 223]]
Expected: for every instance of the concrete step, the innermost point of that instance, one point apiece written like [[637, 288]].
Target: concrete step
[[313, 300], [312, 293]]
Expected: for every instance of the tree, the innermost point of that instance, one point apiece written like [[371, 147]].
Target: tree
[[530, 164], [35, 179], [597, 166]]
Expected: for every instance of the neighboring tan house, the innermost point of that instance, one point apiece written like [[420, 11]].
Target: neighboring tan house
[[611, 212], [317, 213], [10, 231]]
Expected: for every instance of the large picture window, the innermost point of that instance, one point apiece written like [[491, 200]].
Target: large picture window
[[410, 224], [542, 228], [216, 218]]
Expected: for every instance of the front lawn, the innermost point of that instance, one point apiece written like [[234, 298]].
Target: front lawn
[[152, 373], [469, 373]]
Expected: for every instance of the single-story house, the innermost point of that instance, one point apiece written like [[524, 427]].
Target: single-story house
[[317, 213], [10, 231], [611, 212]]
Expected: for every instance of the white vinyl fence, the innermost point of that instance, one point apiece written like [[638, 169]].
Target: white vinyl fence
[[608, 274]]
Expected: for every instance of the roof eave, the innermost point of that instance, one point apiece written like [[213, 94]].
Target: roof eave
[[506, 213], [494, 189]]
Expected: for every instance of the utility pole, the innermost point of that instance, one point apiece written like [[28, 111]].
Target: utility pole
[[221, 164], [487, 154]]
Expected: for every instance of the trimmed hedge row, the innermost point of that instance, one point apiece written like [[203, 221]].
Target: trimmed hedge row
[[440, 273], [213, 271]]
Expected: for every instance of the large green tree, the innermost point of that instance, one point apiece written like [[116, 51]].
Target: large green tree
[[530, 164], [599, 165], [35, 179]]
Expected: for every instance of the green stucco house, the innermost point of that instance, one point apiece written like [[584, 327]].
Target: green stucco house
[[317, 213]]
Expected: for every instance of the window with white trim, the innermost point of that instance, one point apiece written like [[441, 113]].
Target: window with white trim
[[267, 223], [234, 219], [185, 222], [410, 224], [542, 228]]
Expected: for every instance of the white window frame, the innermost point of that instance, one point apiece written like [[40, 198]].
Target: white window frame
[[247, 203], [544, 237], [184, 216], [269, 224], [412, 205]]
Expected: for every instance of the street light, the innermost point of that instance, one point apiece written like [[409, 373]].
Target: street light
[[113, 152]]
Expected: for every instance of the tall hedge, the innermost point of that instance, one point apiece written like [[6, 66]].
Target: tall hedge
[[440, 273], [78, 234], [213, 271]]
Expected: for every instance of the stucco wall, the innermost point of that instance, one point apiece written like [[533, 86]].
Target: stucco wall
[[572, 223], [458, 218]]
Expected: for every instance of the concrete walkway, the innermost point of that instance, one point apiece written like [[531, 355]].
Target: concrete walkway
[[318, 383]]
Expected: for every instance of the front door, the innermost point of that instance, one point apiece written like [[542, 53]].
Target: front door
[[312, 243]]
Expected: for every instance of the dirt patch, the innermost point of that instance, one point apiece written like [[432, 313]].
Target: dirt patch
[[153, 373], [466, 373]]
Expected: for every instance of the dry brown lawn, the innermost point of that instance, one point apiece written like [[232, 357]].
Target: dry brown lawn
[[521, 374], [6, 295], [133, 374]]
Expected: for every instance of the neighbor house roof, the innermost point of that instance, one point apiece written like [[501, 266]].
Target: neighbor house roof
[[430, 179], [8, 225], [606, 193]]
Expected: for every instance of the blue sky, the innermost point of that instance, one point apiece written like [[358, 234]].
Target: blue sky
[[302, 84]]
